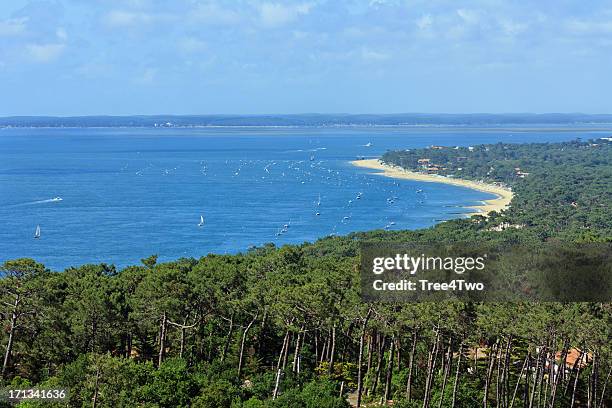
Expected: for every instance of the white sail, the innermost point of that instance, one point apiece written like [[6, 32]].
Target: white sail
[[37, 233], [201, 221]]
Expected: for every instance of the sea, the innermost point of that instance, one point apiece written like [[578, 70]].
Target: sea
[[117, 195]]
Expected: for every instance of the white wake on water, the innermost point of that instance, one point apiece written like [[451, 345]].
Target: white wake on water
[[49, 200]]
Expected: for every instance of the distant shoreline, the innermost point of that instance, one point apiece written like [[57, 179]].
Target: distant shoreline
[[501, 202], [492, 122], [424, 127]]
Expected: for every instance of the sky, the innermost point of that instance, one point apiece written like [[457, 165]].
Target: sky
[[123, 57]]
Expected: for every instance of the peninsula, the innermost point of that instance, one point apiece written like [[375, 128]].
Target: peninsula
[[501, 202]]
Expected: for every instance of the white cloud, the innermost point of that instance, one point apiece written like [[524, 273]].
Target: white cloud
[[13, 27], [469, 16], [424, 22], [276, 14], [44, 52], [124, 18]]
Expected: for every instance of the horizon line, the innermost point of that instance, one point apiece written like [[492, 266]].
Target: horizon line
[[123, 115]]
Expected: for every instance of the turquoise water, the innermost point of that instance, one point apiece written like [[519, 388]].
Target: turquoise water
[[127, 193]]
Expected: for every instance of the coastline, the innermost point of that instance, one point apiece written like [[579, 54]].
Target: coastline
[[501, 202]]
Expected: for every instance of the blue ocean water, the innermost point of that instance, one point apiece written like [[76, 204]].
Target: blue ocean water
[[127, 193]]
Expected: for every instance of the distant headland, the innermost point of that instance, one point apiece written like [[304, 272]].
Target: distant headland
[[425, 120]]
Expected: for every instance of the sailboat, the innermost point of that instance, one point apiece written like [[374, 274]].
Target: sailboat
[[201, 223], [37, 233], [319, 201]]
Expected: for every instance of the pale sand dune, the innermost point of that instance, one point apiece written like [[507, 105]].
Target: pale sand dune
[[504, 196]]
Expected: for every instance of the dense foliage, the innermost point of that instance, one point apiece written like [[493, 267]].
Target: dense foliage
[[561, 189], [285, 327]]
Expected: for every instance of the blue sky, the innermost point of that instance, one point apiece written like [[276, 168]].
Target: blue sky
[[75, 57]]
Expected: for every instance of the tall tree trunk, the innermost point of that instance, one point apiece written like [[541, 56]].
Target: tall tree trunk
[[370, 341], [603, 389], [518, 382], [388, 377], [535, 378], [332, 351], [456, 383], [279, 365], [296, 354], [578, 364], [498, 380], [415, 335], [489, 374], [286, 352], [276, 384], [263, 329], [506, 372], [316, 345], [573, 370], [162, 339], [592, 381], [550, 359], [398, 351], [527, 388], [242, 343], [447, 368], [228, 339], [360, 358], [431, 367], [540, 377], [328, 344], [379, 359], [282, 352], [558, 373], [9, 345], [323, 355], [182, 349]]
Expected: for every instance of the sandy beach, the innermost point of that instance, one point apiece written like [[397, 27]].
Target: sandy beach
[[504, 196]]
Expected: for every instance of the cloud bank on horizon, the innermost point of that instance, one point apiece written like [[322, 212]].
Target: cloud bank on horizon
[[69, 57]]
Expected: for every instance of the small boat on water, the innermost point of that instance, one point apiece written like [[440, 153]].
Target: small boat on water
[[57, 199], [369, 144], [37, 232], [201, 223]]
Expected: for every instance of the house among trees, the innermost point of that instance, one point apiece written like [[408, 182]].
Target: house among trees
[[519, 173], [576, 358]]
